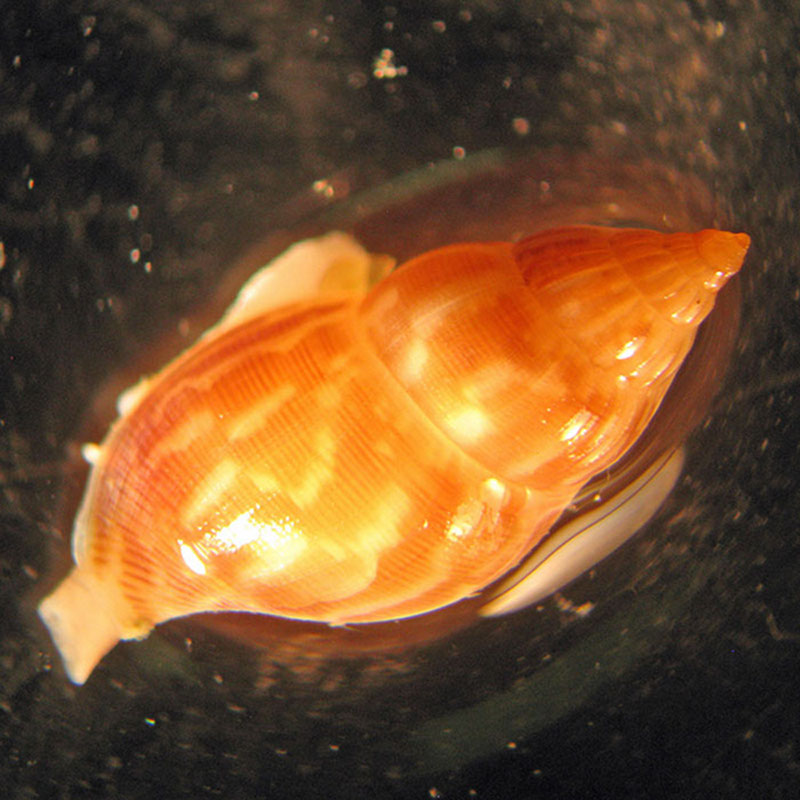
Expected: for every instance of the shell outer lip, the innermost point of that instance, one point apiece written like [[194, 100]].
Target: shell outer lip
[[586, 540]]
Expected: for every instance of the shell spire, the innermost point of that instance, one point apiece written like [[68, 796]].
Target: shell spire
[[677, 273], [631, 298]]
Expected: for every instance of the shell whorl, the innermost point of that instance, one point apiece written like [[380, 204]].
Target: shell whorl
[[578, 331]]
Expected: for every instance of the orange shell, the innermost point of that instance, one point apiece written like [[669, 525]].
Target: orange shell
[[358, 459]]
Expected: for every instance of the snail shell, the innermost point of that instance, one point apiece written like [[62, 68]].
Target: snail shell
[[349, 457]]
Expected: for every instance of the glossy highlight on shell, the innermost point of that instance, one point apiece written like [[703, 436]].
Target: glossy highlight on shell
[[340, 455]]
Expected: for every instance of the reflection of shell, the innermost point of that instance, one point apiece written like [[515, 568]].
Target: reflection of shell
[[350, 458]]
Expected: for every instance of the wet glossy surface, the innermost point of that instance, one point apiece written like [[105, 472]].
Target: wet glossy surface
[[370, 454], [136, 139]]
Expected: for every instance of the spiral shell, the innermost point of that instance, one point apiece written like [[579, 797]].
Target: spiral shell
[[351, 457]]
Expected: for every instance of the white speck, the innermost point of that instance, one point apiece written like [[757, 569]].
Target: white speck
[[191, 559], [384, 68], [495, 489], [628, 349], [323, 187], [455, 531], [239, 533], [577, 425], [91, 452], [521, 126]]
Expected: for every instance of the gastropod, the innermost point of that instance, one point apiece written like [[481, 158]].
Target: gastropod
[[339, 454]]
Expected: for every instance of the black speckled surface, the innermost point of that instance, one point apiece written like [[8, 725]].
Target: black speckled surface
[[147, 147]]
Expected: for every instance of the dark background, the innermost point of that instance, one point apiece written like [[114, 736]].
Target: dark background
[[146, 146]]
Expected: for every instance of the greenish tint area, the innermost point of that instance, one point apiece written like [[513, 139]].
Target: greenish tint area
[[159, 660], [548, 695]]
